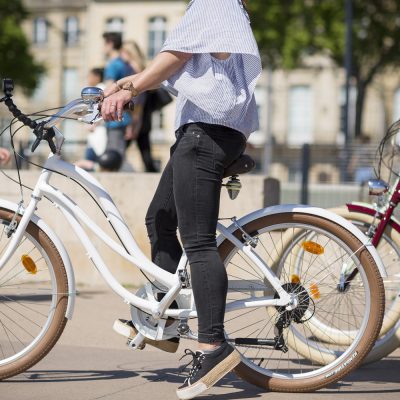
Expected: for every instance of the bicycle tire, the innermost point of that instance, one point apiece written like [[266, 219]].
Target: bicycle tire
[[38, 349], [392, 295], [338, 368]]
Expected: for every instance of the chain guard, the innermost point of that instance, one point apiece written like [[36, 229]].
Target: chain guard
[[150, 327]]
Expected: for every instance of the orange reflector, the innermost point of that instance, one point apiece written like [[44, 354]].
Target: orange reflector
[[313, 248], [29, 264], [294, 279], [314, 291]]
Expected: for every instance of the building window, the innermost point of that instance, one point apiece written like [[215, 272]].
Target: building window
[[157, 35], [41, 93], [300, 115], [71, 84], [71, 31], [115, 24], [396, 105], [40, 30]]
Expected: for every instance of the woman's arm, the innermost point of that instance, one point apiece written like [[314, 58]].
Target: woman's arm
[[163, 66]]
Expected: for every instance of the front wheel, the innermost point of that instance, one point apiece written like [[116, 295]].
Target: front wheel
[[278, 348], [33, 299]]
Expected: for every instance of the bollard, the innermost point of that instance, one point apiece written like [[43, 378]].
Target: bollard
[[272, 192], [305, 168]]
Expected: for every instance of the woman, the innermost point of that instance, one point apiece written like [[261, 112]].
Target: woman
[[211, 62]]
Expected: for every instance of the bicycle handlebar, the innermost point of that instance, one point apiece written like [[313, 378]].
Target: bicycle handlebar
[[38, 128], [91, 97], [8, 88]]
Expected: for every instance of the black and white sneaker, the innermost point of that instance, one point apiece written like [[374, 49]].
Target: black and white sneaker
[[207, 369]]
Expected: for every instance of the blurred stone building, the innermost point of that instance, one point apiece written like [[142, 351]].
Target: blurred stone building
[[306, 105]]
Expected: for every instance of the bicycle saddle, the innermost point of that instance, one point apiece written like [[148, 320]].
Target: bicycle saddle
[[240, 166]]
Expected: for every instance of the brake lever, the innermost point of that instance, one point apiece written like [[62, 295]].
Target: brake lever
[[42, 134], [88, 118], [52, 145], [97, 118], [91, 118], [35, 144]]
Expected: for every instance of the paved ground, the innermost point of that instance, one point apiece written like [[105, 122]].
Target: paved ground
[[91, 362]]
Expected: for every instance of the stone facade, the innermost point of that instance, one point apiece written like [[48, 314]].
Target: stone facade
[[306, 103]]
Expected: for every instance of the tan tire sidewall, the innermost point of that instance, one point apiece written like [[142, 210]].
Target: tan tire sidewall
[[373, 326], [57, 325]]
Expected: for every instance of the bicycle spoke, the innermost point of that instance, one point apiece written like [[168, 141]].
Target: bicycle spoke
[[334, 314]]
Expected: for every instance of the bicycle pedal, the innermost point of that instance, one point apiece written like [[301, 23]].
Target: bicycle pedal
[[131, 344]]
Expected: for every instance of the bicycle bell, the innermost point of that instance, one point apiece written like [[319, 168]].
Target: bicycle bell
[[91, 96]]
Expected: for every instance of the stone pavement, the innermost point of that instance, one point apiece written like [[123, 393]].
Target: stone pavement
[[91, 362]]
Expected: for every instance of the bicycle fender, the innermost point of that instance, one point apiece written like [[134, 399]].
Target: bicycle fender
[[61, 249], [304, 209]]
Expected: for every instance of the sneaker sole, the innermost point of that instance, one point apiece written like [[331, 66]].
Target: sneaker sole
[[130, 332], [209, 380], [124, 329]]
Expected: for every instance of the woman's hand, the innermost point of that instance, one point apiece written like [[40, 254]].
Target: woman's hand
[[111, 89], [4, 156], [112, 106]]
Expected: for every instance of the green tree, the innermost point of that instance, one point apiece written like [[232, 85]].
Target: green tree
[[16, 62], [288, 30]]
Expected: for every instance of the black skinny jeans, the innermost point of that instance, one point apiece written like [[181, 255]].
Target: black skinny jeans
[[188, 197]]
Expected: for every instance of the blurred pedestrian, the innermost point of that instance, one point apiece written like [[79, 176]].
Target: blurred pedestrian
[[116, 69], [97, 137], [144, 107], [133, 55], [109, 161]]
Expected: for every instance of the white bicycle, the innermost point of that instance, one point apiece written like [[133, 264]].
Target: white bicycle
[[37, 287]]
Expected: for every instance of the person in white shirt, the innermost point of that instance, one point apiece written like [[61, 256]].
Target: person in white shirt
[[211, 63]]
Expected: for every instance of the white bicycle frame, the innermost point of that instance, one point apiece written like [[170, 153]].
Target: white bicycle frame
[[129, 248]]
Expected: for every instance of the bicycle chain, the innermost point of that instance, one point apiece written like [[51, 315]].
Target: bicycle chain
[[250, 346]]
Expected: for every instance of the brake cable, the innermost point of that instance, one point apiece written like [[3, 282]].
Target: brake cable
[[78, 183]]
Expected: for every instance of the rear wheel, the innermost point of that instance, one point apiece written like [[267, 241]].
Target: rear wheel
[[278, 348], [33, 299]]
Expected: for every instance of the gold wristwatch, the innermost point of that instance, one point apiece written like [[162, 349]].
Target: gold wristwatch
[[129, 86]]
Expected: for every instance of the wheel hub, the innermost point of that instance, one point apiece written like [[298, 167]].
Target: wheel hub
[[300, 302]]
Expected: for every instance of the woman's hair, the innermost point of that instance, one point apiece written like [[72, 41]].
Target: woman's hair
[[135, 55]]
